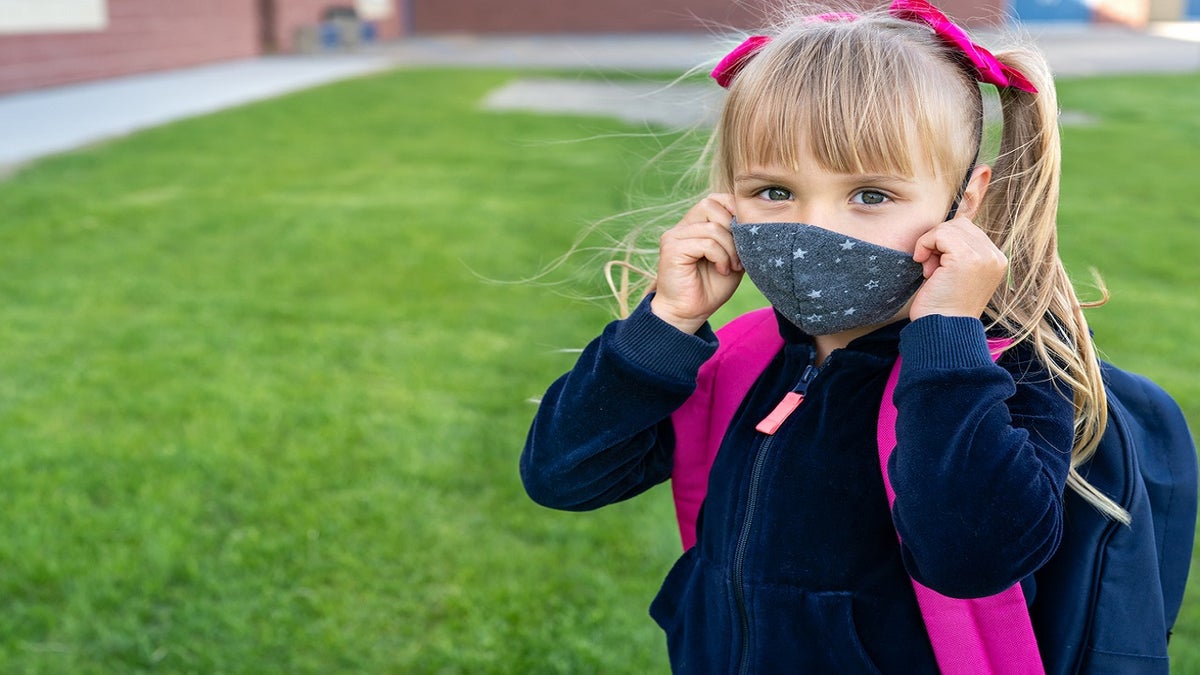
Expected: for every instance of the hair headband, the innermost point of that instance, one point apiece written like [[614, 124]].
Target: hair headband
[[984, 65]]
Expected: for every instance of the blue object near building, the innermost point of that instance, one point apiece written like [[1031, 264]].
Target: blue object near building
[[327, 33], [1054, 10]]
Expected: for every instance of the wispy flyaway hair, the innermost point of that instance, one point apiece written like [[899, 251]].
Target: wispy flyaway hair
[[876, 94]]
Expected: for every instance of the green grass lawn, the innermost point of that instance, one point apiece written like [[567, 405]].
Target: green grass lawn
[[1128, 209], [261, 408]]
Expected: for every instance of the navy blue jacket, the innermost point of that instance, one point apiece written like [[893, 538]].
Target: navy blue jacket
[[797, 567]]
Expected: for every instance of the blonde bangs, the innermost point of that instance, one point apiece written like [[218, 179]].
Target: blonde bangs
[[860, 100]]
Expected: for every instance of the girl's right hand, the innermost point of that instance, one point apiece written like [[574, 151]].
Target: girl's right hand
[[698, 266]]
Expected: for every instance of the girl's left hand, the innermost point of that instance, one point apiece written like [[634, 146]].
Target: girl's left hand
[[963, 268]]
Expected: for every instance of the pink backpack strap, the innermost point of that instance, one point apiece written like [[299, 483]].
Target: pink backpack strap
[[747, 345], [992, 635]]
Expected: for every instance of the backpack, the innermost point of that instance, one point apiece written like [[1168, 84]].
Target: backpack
[[1106, 601]]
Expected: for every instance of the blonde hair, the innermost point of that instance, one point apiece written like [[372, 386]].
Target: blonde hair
[[857, 94]]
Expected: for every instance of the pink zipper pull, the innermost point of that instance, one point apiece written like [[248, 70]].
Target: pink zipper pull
[[792, 400], [779, 415]]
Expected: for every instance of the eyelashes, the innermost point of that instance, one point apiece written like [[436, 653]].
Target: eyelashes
[[871, 197], [863, 197]]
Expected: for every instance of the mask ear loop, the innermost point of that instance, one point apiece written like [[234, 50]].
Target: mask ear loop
[[962, 189]]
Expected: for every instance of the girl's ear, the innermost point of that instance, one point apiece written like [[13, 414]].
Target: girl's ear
[[977, 187]]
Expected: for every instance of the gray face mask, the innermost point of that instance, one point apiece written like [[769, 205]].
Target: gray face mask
[[822, 281]]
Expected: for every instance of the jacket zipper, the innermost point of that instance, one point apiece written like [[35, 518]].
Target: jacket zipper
[[767, 427]]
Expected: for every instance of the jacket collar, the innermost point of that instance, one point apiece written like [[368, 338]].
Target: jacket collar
[[883, 341]]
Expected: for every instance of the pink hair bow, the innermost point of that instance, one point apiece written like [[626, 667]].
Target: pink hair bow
[[987, 69], [735, 60]]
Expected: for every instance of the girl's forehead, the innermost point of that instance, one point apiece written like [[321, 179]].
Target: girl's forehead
[[761, 149]]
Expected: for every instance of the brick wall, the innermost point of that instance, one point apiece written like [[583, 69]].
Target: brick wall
[[142, 35], [149, 35], [589, 16]]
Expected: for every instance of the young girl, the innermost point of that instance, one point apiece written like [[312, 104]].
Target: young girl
[[846, 183]]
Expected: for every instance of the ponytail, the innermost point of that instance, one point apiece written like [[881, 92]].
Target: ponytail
[[1038, 303]]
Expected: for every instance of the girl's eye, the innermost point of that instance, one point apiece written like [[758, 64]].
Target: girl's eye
[[775, 195], [870, 197]]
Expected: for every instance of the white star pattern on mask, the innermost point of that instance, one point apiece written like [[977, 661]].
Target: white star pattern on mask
[[825, 265]]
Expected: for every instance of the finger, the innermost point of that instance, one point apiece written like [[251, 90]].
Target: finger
[[711, 251], [921, 253], [925, 247], [930, 265], [717, 207], [725, 235], [930, 248], [714, 232], [726, 202], [946, 238]]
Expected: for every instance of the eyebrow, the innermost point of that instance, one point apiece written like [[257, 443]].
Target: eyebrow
[[849, 178]]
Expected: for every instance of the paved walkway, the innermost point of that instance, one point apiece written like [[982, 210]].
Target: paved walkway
[[38, 123]]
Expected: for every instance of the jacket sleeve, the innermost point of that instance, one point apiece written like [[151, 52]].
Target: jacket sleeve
[[981, 461], [602, 432]]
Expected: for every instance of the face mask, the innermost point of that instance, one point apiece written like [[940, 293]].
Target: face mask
[[822, 281]]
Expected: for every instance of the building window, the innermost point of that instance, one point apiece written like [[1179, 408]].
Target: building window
[[52, 16]]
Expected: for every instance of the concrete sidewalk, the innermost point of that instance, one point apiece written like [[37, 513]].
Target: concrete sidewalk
[[38, 123], [43, 122]]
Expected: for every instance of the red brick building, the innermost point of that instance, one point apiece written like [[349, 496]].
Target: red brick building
[[47, 44]]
